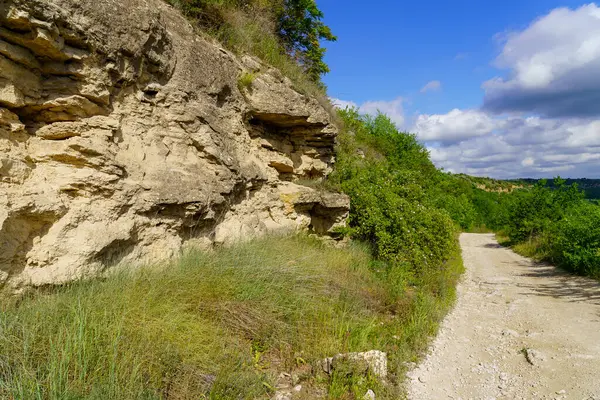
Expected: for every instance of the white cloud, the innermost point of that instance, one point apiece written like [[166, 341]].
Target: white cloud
[[541, 119], [455, 126], [554, 66], [393, 109], [432, 86], [343, 104], [519, 147], [584, 135], [528, 162]]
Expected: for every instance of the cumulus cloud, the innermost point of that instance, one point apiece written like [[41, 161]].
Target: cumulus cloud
[[554, 66], [543, 119], [455, 126], [523, 147], [432, 86], [393, 109]]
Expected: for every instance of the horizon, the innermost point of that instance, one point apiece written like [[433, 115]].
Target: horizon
[[501, 90]]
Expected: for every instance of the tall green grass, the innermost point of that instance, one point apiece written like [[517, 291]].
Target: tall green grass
[[221, 325]]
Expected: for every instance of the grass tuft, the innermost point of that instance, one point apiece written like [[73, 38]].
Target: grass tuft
[[245, 81]]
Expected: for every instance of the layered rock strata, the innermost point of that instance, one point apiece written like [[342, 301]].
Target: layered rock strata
[[124, 137]]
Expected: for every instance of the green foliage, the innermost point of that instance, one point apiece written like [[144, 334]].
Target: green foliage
[[245, 81], [548, 221], [301, 30], [398, 198], [475, 204], [531, 212], [383, 170], [575, 239], [551, 222]]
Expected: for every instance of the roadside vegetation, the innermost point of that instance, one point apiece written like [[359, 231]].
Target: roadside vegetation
[[386, 173], [407, 209], [222, 325], [555, 224], [552, 222], [548, 221]]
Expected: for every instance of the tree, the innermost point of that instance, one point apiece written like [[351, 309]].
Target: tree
[[301, 30]]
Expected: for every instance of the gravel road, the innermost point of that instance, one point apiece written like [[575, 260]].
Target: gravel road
[[520, 330]]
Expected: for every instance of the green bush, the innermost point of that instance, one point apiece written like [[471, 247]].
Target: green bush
[[384, 171], [533, 211], [553, 222], [575, 240]]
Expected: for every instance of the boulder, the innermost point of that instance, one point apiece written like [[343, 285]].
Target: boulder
[[374, 362]]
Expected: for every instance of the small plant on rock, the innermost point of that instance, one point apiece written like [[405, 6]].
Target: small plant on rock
[[245, 81]]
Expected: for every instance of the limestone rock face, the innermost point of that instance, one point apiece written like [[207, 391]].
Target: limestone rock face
[[124, 137]]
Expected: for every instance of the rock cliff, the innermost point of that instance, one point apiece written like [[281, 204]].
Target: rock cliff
[[124, 137]]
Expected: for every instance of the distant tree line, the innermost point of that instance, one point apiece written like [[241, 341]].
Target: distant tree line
[[591, 187]]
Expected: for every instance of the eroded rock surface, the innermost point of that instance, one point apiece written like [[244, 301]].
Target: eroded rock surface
[[124, 137]]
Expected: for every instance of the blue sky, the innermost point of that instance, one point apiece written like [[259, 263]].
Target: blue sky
[[388, 51]]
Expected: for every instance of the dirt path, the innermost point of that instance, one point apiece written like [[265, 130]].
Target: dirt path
[[506, 304]]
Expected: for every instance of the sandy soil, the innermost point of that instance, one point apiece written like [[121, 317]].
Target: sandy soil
[[520, 330]]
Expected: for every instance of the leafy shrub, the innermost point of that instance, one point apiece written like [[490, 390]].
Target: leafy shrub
[[575, 240], [553, 222], [382, 170], [533, 211]]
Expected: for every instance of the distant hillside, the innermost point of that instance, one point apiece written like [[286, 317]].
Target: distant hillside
[[590, 186], [492, 185]]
